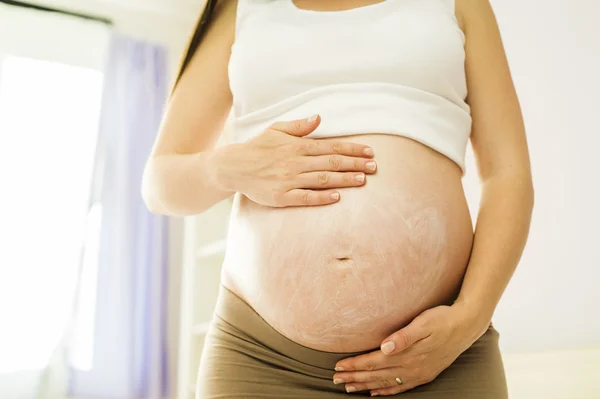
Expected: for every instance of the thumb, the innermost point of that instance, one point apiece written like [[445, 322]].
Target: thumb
[[299, 127], [404, 338]]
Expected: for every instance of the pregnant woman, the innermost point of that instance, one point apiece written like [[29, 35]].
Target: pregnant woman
[[352, 265]]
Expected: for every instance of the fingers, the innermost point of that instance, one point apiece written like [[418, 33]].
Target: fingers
[[382, 376], [368, 362], [339, 163], [404, 338], [366, 386], [299, 127], [303, 127], [368, 380], [321, 180], [320, 147], [299, 197]]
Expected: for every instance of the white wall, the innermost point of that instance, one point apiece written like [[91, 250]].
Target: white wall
[[553, 47], [168, 23], [56, 28]]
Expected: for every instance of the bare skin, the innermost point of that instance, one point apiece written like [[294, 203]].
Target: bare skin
[[185, 175], [348, 275], [419, 352], [362, 270]]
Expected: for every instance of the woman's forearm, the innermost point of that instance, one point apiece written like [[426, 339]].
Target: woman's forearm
[[182, 185], [500, 236]]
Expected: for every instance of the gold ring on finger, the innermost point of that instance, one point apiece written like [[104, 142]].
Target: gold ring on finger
[[399, 381]]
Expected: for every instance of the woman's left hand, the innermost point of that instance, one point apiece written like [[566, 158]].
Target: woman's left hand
[[414, 355]]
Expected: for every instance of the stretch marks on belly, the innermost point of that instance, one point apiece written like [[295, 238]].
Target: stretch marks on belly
[[362, 289]]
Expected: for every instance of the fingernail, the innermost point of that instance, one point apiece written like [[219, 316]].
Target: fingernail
[[337, 381], [368, 152], [371, 165], [360, 178], [388, 347], [339, 369], [374, 394], [335, 197], [350, 389], [312, 118]]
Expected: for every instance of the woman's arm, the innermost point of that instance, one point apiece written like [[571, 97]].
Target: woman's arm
[[431, 342], [278, 168], [501, 153], [179, 176]]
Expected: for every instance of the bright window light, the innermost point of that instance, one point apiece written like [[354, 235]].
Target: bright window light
[[48, 127]]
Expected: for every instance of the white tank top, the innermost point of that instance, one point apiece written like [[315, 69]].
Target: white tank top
[[395, 67]]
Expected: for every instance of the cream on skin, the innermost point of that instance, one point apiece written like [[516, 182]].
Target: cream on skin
[[185, 177], [436, 337], [341, 278]]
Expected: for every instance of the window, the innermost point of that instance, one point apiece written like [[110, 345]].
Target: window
[[49, 115]]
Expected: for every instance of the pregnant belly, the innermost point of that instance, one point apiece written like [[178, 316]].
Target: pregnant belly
[[342, 277]]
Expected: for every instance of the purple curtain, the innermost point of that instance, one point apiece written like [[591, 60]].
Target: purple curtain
[[129, 345]]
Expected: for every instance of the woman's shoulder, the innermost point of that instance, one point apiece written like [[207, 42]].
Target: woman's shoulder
[[221, 16], [459, 10], [226, 7], [469, 10]]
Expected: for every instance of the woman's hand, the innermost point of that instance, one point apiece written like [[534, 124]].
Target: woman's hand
[[281, 168], [415, 355]]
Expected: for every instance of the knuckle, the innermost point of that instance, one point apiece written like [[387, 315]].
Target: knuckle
[[369, 366], [292, 167], [305, 197], [296, 125], [422, 375], [307, 148], [336, 147], [386, 383], [323, 178], [314, 147], [283, 170], [281, 152], [287, 175], [335, 162], [411, 361], [301, 148], [404, 339], [423, 323]]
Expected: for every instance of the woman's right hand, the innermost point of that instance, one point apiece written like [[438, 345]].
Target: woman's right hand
[[282, 168]]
